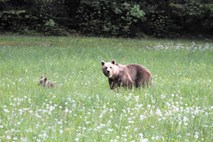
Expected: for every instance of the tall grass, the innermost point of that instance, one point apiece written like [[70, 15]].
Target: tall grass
[[177, 107]]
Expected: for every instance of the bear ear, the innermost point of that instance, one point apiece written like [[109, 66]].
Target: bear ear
[[102, 62], [45, 79], [113, 62]]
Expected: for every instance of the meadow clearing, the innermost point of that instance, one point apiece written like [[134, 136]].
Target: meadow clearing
[[178, 107]]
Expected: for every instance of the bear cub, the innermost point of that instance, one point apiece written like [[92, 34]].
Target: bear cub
[[126, 75], [43, 81]]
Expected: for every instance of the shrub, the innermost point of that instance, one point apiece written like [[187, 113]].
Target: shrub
[[192, 17], [109, 18]]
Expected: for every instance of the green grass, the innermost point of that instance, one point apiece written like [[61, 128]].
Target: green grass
[[177, 107]]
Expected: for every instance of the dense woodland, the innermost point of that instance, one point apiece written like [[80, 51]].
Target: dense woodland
[[122, 18]]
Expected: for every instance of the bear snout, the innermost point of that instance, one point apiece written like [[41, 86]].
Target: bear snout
[[40, 82], [107, 73]]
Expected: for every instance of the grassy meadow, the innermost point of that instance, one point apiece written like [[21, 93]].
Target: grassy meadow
[[178, 107]]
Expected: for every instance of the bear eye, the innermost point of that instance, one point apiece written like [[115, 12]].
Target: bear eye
[[110, 67]]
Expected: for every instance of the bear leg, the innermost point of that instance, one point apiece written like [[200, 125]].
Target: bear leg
[[113, 84]]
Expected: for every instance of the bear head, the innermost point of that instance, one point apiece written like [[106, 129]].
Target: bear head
[[110, 69], [42, 80]]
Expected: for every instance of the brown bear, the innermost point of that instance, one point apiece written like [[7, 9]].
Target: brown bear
[[45, 83], [126, 75]]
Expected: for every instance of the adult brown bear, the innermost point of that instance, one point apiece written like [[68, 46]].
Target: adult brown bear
[[126, 75]]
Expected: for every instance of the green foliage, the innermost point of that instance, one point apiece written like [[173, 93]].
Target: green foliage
[[13, 20], [4, 0], [109, 18], [193, 17], [173, 18], [50, 24], [38, 15], [21, 20], [136, 12], [158, 24]]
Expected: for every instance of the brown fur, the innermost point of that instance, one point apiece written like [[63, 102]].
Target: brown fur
[[126, 75], [43, 81]]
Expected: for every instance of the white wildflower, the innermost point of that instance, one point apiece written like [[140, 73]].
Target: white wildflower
[[149, 106], [77, 139], [66, 110], [142, 117], [61, 131], [8, 137], [196, 135], [15, 138], [158, 112], [6, 110], [144, 140]]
